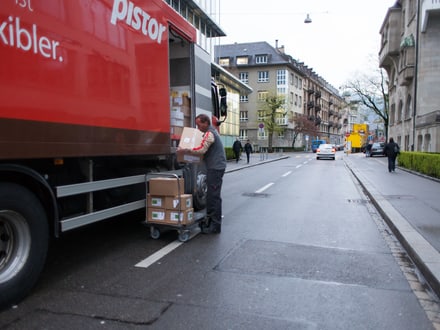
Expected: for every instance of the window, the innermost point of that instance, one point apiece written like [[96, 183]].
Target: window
[[281, 91], [259, 59], [399, 111], [263, 76], [281, 135], [261, 115], [243, 134], [408, 108], [262, 134], [244, 98], [291, 98], [281, 77], [393, 114], [262, 96], [244, 116], [280, 119], [242, 60], [244, 77], [224, 61]]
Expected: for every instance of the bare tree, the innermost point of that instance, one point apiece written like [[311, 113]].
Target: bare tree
[[303, 125], [272, 109], [372, 92]]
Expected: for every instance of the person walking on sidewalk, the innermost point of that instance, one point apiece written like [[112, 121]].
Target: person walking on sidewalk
[[391, 150], [236, 147], [215, 160], [248, 150]]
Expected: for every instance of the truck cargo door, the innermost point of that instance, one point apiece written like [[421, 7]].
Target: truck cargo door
[[202, 81]]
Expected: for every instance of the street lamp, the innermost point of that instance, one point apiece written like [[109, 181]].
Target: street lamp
[[308, 19]]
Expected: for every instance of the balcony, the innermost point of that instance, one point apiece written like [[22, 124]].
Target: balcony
[[390, 38], [281, 121], [330, 123], [317, 120], [311, 91], [318, 94], [317, 107], [331, 112], [408, 66], [310, 105], [429, 7]]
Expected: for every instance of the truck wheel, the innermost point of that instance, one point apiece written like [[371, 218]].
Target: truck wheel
[[24, 237], [195, 184], [199, 196]]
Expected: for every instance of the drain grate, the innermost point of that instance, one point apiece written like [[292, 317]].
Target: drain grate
[[255, 195], [357, 201], [399, 197]]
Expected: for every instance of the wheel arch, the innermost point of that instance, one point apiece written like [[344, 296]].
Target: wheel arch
[[35, 182]]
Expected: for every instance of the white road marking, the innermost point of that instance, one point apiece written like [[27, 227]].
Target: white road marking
[[286, 174], [298, 166], [264, 188], [158, 254]]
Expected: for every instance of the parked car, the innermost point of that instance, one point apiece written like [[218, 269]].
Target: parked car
[[326, 151], [377, 149]]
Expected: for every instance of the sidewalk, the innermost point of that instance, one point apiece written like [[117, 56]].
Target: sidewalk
[[409, 204], [406, 200]]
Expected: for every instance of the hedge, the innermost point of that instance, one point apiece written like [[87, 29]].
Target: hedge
[[422, 162]]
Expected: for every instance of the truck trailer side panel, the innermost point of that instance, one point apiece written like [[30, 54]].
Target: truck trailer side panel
[[86, 78]]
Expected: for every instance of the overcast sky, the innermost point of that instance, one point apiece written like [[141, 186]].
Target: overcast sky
[[340, 41]]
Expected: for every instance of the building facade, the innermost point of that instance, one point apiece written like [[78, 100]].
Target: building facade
[[270, 71], [410, 54]]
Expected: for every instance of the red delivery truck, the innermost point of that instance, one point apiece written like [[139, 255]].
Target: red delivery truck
[[94, 95]]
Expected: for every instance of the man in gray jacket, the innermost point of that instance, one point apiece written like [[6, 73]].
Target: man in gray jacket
[[214, 157]]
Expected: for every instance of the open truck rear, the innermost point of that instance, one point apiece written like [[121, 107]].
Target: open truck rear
[[86, 111]]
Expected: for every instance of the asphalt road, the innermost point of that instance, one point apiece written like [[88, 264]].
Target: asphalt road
[[301, 247]]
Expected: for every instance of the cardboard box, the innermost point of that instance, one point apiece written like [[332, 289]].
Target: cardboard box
[[156, 215], [176, 132], [166, 186], [182, 202], [186, 110], [191, 137], [185, 217], [189, 158], [170, 217]]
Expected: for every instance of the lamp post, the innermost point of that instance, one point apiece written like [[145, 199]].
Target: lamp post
[[308, 19]]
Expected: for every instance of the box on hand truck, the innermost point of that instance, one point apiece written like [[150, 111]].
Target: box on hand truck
[[168, 207]]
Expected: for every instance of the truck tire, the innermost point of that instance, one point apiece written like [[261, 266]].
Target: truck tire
[[24, 237], [195, 184]]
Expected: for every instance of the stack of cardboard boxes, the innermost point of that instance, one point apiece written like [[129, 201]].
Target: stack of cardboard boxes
[[180, 113], [167, 204]]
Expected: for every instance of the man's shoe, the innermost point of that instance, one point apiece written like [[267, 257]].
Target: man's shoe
[[212, 228]]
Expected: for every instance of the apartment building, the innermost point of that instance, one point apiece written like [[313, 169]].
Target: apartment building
[[268, 71], [410, 54]]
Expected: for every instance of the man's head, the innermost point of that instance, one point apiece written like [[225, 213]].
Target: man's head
[[203, 122]]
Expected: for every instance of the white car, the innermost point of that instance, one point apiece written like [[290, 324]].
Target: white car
[[326, 151]]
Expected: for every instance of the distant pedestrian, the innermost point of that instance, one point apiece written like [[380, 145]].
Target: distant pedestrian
[[248, 150], [391, 150], [237, 148], [368, 150]]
